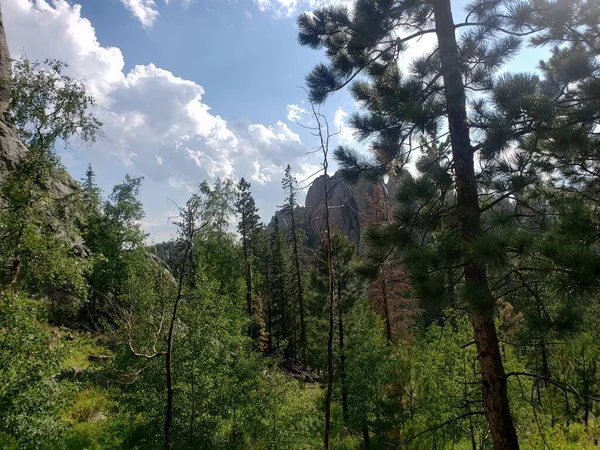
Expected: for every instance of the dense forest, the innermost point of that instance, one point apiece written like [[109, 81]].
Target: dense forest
[[466, 316]]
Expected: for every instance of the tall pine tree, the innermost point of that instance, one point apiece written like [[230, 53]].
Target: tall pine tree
[[289, 186], [440, 221], [247, 227]]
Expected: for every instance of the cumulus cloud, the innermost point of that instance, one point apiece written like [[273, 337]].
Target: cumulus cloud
[[144, 10], [157, 123], [295, 113]]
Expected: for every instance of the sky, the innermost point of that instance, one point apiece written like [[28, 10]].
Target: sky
[[188, 90]]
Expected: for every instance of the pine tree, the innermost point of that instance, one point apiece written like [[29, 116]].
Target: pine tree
[[289, 186], [388, 292], [442, 209], [247, 226], [347, 288], [280, 290], [91, 192]]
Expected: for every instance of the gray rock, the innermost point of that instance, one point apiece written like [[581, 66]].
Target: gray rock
[[347, 206], [5, 69], [12, 149]]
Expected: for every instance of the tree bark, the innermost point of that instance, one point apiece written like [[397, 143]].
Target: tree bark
[[330, 373], [494, 382], [366, 437], [342, 356], [169, 354], [386, 309]]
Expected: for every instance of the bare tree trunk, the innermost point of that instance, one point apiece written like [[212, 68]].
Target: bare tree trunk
[[493, 376], [342, 355], [189, 236], [331, 318], [322, 132]]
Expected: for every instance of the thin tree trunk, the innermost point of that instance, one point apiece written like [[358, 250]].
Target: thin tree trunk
[[270, 309], [342, 356], [386, 309], [567, 409], [366, 437], [283, 316], [495, 395], [248, 284], [169, 355], [330, 374], [545, 365]]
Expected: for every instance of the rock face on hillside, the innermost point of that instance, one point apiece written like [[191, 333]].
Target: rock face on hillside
[[63, 187], [347, 206], [12, 149]]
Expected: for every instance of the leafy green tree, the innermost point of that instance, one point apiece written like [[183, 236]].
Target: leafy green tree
[[30, 354], [112, 234], [37, 216], [368, 369], [48, 106]]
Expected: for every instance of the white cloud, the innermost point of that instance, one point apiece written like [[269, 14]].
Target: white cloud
[[295, 113], [286, 8], [157, 123], [144, 10], [345, 133]]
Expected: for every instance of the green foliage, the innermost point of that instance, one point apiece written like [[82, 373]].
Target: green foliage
[[82, 260], [368, 366], [48, 106], [30, 355]]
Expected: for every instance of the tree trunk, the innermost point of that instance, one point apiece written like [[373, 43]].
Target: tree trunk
[[386, 309], [366, 437], [331, 311], [248, 284], [169, 369], [270, 309], [493, 376], [342, 356], [545, 365], [299, 287], [169, 354]]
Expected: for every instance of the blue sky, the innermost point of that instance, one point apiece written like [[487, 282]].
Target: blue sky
[[188, 90]]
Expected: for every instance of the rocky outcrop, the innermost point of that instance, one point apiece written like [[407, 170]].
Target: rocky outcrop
[[62, 187], [348, 205], [12, 149]]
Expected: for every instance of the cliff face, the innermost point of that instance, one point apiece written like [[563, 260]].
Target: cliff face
[[347, 206], [12, 149], [63, 187]]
